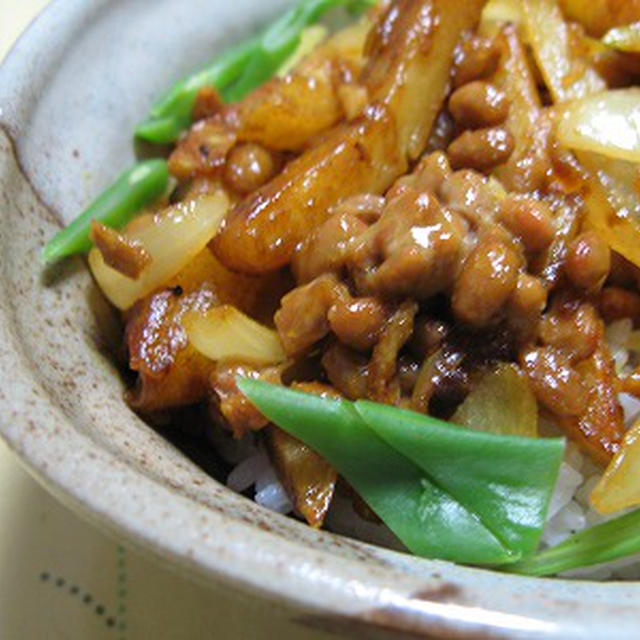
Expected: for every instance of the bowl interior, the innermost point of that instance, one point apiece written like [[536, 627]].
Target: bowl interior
[[70, 94]]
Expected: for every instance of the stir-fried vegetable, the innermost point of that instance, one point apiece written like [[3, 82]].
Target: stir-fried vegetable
[[310, 38], [498, 13], [445, 491], [226, 333], [619, 487], [566, 77], [502, 403], [427, 520], [280, 40], [626, 38], [239, 70], [618, 181], [515, 78], [598, 16], [172, 113], [614, 539], [136, 188], [172, 239], [607, 122], [606, 197], [309, 480]]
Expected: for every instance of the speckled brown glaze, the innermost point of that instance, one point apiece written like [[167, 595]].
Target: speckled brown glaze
[[64, 133]]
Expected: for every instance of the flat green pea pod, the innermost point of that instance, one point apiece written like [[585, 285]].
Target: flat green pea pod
[[445, 491], [611, 540], [280, 40], [171, 114], [238, 71], [624, 38], [425, 519], [134, 189], [507, 481]]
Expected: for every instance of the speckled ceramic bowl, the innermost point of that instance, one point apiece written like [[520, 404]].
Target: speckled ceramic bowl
[[70, 93]]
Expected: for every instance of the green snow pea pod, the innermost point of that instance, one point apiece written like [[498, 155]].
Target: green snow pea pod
[[426, 519], [605, 542]]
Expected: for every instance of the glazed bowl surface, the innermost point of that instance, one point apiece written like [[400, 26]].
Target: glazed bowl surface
[[70, 92]]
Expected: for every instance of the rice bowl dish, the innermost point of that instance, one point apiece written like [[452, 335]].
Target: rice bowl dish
[[341, 514], [475, 288]]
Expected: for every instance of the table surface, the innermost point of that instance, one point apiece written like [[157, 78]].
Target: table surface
[[62, 578]]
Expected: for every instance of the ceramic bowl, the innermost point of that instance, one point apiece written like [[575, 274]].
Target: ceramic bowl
[[70, 93]]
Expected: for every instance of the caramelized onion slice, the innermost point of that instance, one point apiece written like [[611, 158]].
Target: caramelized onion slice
[[598, 16], [310, 38], [625, 38], [224, 333], [567, 75], [172, 240], [619, 487], [611, 203], [502, 403], [607, 123], [497, 13]]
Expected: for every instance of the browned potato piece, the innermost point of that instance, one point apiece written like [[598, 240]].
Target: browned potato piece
[[599, 429], [285, 113], [598, 16], [527, 166], [581, 396], [309, 480], [170, 372], [407, 76], [258, 297], [410, 53]]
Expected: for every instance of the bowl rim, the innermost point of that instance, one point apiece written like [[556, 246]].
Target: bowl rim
[[324, 590]]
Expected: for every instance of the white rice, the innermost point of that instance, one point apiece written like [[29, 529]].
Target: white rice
[[569, 510], [257, 471]]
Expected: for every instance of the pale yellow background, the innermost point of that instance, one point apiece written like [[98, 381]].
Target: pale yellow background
[[50, 561], [15, 15]]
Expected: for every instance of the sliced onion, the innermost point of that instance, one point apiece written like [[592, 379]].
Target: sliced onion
[[625, 38], [633, 343], [566, 76], [502, 403], [598, 16], [173, 239], [619, 487], [224, 333], [591, 15], [607, 123], [310, 38], [619, 179], [612, 204], [497, 13]]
